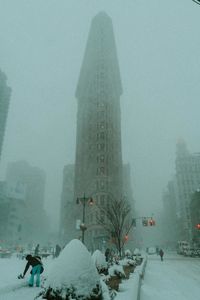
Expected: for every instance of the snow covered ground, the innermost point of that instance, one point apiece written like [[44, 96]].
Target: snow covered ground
[[174, 278], [10, 286]]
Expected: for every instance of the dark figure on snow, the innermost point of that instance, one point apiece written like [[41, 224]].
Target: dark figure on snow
[[57, 251], [161, 253], [107, 254], [37, 268], [37, 249]]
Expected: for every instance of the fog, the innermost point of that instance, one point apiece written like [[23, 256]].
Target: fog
[[42, 47]]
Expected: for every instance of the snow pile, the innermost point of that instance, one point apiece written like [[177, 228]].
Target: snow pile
[[116, 270], [105, 291], [128, 253], [73, 274], [99, 260], [136, 251], [128, 262]]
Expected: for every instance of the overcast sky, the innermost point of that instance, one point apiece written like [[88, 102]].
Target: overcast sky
[[42, 43]]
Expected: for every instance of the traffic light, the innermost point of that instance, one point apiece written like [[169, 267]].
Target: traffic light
[[126, 238], [198, 226], [145, 222], [152, 222]]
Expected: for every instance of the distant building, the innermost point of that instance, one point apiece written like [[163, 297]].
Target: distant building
[[28, 183], [170, 218], [127, 186], [98, 165], [98, 171], [5, 93], [188, 181], [12, 211], [128, 194], [195, 217], [67, 217]]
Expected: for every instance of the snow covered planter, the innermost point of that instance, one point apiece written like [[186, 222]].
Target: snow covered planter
[[100, 262], [137, 257], [127, 270], [128, 253], [128, 265], [116, 274], [73, 275], [113, 282], [116, 270]]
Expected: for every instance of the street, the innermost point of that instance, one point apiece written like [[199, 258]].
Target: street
[[177, 277]]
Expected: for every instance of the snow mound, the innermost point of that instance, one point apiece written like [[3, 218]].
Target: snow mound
[[128, 252], [73, 270], [116, 270], [99, 260]]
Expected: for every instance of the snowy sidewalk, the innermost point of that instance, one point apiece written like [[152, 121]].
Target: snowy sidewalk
[[176, 278], [10, 286], [130, 289]]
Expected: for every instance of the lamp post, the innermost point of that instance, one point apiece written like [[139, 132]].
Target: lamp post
[[83, 200]]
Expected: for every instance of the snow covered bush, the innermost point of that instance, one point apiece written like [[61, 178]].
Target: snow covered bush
[[136, 251], [128, 253], [100, 261], [128, 262], [73, 275], [116, 270]]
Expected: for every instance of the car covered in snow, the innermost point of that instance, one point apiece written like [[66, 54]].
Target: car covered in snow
[[5, 253], [151, 250]]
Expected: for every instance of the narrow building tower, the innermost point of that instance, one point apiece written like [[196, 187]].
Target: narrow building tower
[[98, 165], [5, 93]]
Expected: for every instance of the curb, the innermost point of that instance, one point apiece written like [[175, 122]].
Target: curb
[[140, 271]]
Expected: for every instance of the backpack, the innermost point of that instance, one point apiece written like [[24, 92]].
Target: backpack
[[39, 260]]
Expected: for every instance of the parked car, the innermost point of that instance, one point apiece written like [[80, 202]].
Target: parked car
[[5, 253], [151, 250]]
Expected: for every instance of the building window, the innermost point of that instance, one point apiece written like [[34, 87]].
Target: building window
[[102, 184], [91, 218], [101, 146], [102, 135], [102, 158], [101, 104], [101, 126], [102, 219], [102, 200], [101, 171]]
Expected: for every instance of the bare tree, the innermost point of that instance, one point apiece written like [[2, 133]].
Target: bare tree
[[115, 218], [197, 1]]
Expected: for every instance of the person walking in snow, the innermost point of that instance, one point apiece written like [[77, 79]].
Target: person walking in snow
[[161, 253], [57, 251], [37, 268], [107, 254], [37, 249]]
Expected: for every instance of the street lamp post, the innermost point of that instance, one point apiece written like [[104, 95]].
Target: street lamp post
[[83, 201]]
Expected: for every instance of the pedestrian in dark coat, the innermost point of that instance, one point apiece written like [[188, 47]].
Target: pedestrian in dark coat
[[37, 249], [107, 254], [57, 250], [161, 253]]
